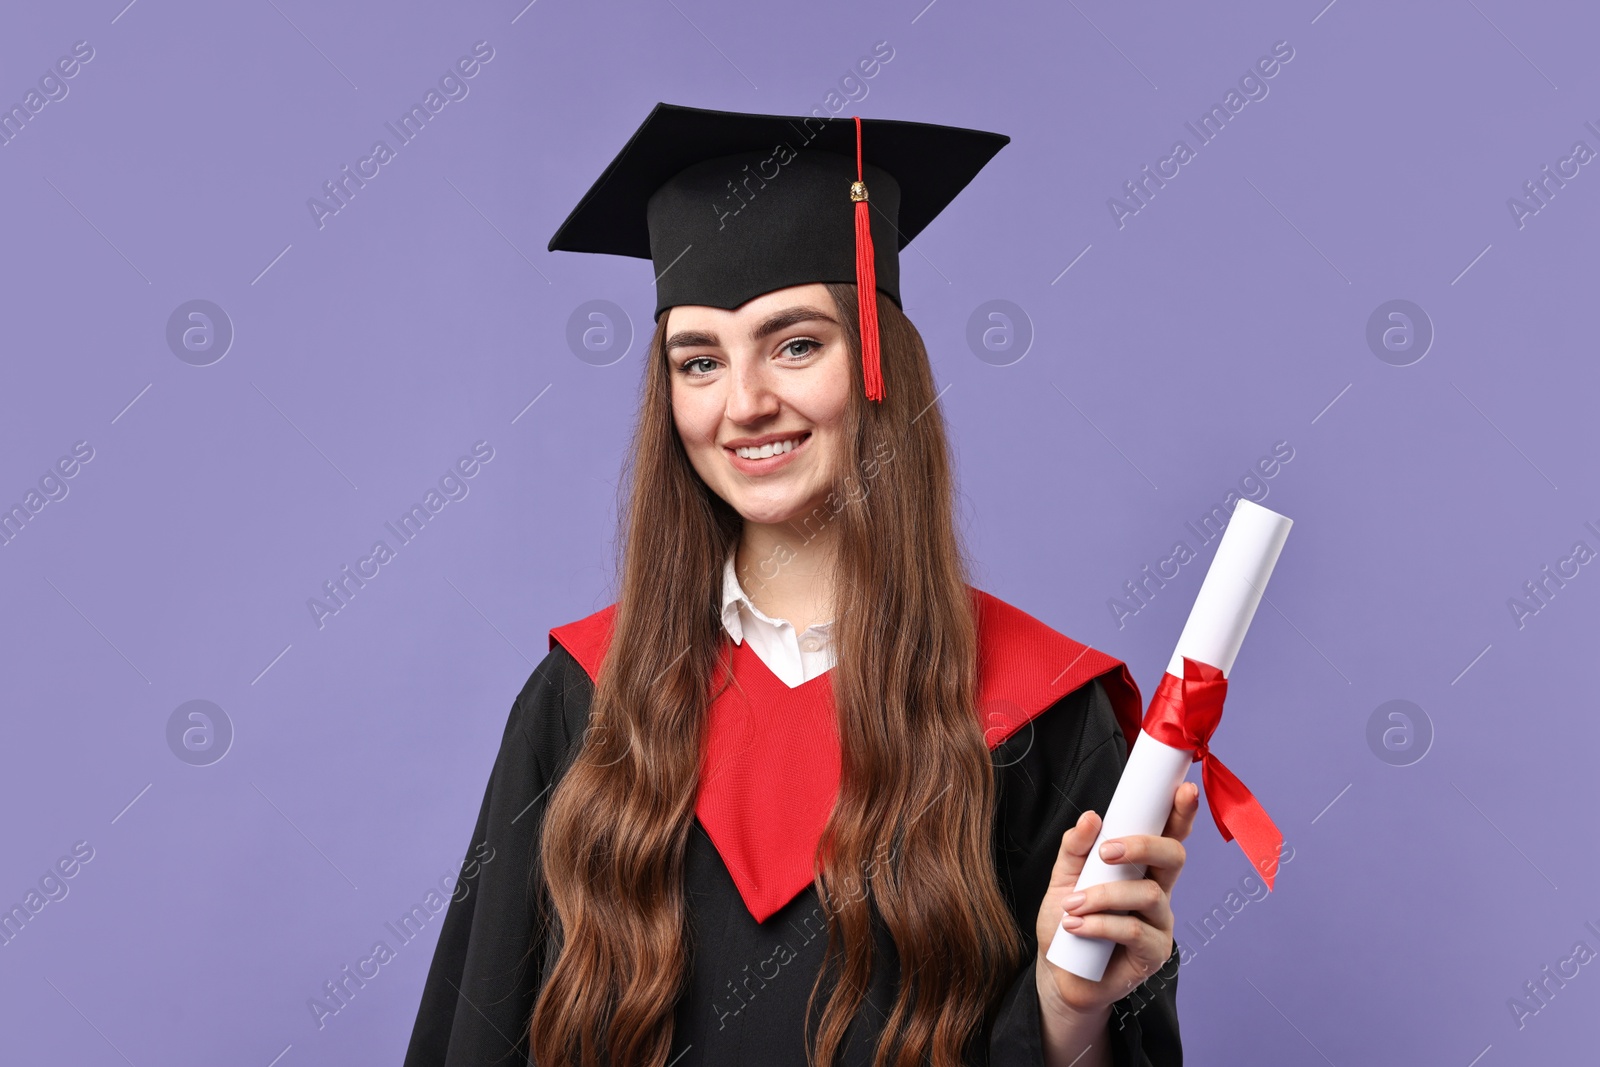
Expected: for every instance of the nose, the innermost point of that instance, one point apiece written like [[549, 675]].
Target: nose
[[750, 394]]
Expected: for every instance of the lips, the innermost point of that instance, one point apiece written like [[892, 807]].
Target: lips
[[770, 463], [771, 445]]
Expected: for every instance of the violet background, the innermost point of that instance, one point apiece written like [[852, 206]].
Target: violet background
[[1229, 314]]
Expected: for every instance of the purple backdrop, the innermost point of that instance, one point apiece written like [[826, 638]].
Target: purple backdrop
[[1372, 261]]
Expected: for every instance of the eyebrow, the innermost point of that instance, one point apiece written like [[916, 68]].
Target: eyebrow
[[780, 320]]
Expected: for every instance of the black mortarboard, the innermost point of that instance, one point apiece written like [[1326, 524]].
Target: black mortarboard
[[728, 206]]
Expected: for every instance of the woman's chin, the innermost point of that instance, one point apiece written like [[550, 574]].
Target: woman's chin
[[792, 511]]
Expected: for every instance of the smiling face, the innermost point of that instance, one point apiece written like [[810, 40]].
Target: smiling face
[[759, 396]]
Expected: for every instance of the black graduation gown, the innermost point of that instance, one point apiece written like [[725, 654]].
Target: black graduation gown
[[745, 999]]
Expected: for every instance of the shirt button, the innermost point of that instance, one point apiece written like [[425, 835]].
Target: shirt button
[[811, 644]]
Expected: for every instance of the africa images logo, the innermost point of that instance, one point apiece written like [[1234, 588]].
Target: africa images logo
[[453, 87]]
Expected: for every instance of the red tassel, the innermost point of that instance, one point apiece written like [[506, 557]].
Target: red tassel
[[866, 283]]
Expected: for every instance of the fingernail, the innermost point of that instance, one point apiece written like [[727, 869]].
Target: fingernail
[[1071, 922], [1074, 900], [1112, 850]]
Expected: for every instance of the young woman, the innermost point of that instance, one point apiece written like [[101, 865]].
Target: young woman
[[801, 794]]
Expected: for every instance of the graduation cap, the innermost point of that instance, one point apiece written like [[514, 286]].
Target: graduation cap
[[728, 206]]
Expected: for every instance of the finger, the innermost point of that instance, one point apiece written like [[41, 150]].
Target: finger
[[1144, 850], [1075, 846], [1185, 805], [1162, 857], [1145, 946], [1109, 926], [1142, 897]]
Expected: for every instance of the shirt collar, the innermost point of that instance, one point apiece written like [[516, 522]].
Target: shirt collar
[[734, 598]]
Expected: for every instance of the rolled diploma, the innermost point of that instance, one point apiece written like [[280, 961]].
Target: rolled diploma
[[1143, 799]]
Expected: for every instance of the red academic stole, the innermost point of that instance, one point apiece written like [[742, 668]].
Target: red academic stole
[[770, 769]]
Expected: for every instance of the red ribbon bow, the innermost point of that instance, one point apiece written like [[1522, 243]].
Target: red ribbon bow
[[1184, 712]]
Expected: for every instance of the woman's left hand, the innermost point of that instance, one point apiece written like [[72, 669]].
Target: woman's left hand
[[1143, 936]]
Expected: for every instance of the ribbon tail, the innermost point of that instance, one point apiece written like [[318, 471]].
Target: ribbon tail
[[1239, 815]]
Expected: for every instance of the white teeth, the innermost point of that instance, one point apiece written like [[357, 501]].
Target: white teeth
[[772, 449]]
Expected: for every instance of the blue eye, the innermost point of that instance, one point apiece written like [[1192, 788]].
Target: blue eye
[[689, 363], [810, 346]]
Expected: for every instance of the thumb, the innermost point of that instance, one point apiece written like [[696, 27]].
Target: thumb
[[1075, 846]]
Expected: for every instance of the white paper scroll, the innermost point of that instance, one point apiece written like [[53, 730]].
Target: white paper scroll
[[1217, 624]]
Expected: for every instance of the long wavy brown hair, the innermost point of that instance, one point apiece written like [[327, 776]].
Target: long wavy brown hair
[[904, 682]]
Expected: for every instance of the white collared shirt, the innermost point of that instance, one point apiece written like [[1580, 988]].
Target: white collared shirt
[[795, 659]]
